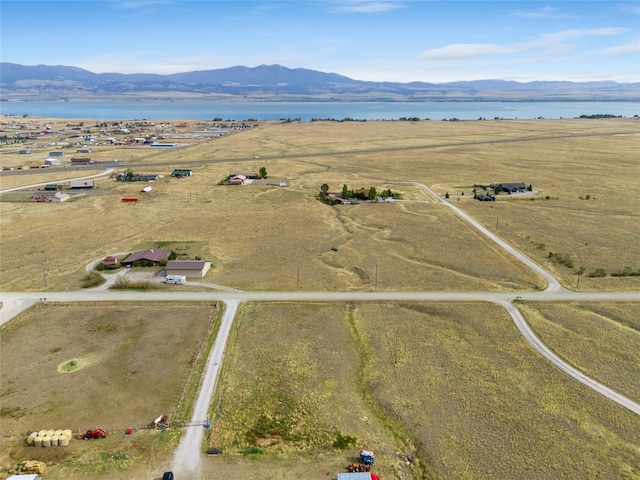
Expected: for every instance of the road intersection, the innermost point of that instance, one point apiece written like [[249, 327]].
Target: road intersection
[[187, 456]]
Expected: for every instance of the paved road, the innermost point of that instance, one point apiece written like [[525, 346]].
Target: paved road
[[35, 185]]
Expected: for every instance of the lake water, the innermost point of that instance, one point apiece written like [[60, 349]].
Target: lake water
[[306, 111]]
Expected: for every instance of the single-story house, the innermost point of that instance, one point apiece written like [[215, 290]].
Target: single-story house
[[82, 184], [238, 179], [154, 255], [188, 268], [83, 150], [81, 161], [49, 196], [509, 187], [56, 154], [164, 145], [248, 175]]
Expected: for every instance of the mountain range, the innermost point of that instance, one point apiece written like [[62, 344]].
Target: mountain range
[[278, 83]]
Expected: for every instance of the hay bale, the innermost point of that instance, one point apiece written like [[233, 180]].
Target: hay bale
[[50, 432], [54, 439], [32, 466], [67, 433], [31, 438], [63, 441], [46, 441], [42, 433], [37, 442]]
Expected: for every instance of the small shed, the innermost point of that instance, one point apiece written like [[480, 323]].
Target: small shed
[[24, 152], [358, 476], [56, 154], [51, 187], [83, 150], [188, 268]]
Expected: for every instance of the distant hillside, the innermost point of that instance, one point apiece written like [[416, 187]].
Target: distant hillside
[[275, 82]]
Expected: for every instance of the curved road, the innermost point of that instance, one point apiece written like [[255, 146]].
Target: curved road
[[187, 456]]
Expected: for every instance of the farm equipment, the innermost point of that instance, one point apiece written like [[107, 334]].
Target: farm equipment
[[367, 457], [89, 434], [355, 467]]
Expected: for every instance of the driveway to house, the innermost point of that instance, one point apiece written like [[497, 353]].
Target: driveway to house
[[26, 187]]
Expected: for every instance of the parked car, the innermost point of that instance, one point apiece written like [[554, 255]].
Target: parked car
[[168, 476]]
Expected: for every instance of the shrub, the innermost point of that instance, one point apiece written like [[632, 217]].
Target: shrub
[[344, 441], [598, 272], [92, 280], [124, 283]]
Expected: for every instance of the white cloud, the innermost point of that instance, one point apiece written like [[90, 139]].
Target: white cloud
[[624, 49], [546, 12], [553, 42], [366, 6], [465, 50], [139, 62]]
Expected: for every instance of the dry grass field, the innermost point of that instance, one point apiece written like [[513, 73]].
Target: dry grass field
[[602, 340], [83, 367], [275, 230], [454, 383]]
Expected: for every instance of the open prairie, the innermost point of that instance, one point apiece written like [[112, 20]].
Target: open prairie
[[287, 239], [600, 339], [87, 366], [453, 387]]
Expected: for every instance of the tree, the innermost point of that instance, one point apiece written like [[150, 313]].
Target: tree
[[372, 194], [324, 188], [446, 195], [345, 191], [262, 172]]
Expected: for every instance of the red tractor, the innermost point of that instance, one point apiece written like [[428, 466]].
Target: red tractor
[[97, 433]]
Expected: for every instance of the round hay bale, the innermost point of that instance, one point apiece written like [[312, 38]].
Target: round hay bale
[[59, 432], [67, 433], [31, 438], [46, 441], [42, 433], [54, 439], [37, 442], [63, 441], [50, 432]]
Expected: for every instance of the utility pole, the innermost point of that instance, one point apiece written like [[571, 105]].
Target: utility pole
[[45, 277], [298, 278], [497, 223], [376, 276]]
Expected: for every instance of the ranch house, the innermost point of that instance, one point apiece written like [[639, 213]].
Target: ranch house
[[154, 255]]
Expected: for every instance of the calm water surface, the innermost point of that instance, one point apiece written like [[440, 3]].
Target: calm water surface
[[306, 111]]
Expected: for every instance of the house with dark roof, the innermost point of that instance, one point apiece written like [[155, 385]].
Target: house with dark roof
[[154, 255], [188, 268], [512, 187]]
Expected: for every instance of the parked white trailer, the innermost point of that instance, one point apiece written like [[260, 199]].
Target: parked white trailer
[[175, 279]]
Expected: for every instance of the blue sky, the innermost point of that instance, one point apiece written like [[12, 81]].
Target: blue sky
[[376, 40]]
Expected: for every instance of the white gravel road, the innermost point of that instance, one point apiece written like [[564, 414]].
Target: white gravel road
[[186, 461]]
